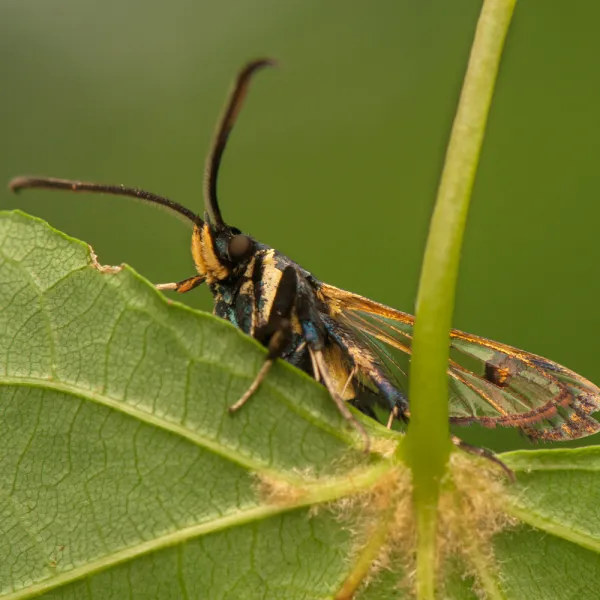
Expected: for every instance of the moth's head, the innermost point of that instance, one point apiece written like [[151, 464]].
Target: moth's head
[[221, 253]]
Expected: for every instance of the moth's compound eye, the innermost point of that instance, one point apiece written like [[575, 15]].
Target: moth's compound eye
[[239, 247]]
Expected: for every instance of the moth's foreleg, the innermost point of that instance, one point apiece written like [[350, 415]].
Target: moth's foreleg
[[277, 332], [278, 342], [183, 286]]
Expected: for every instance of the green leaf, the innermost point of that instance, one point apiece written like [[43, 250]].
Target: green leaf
[[556, 552], [124, 476], [120, 466]]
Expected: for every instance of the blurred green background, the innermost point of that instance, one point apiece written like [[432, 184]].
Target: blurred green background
[[336, 158]]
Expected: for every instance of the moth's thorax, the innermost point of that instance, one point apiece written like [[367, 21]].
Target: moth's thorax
[[245, 298]]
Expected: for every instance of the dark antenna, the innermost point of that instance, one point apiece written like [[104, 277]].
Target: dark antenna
[[225, 125], [50, 183]]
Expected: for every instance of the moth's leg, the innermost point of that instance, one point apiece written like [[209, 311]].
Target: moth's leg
[[315, 369], [279, 340], [400, 414], [394, 413], [323, 371], [182, 286], [394, 397], [314, 330], [277, 332], [353, 372], [483, 453]]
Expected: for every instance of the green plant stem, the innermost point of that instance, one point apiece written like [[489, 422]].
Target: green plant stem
[[427, 445]]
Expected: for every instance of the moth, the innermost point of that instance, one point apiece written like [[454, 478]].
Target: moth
[[347, 342]]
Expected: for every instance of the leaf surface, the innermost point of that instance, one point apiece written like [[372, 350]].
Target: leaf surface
[[122, 474]]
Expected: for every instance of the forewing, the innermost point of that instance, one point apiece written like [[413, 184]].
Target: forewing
[[488, 383]]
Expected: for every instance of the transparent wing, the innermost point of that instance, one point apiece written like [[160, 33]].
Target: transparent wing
[[488, 383]]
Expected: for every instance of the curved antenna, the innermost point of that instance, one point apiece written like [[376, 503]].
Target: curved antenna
[[50, 183], [225, 125]]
